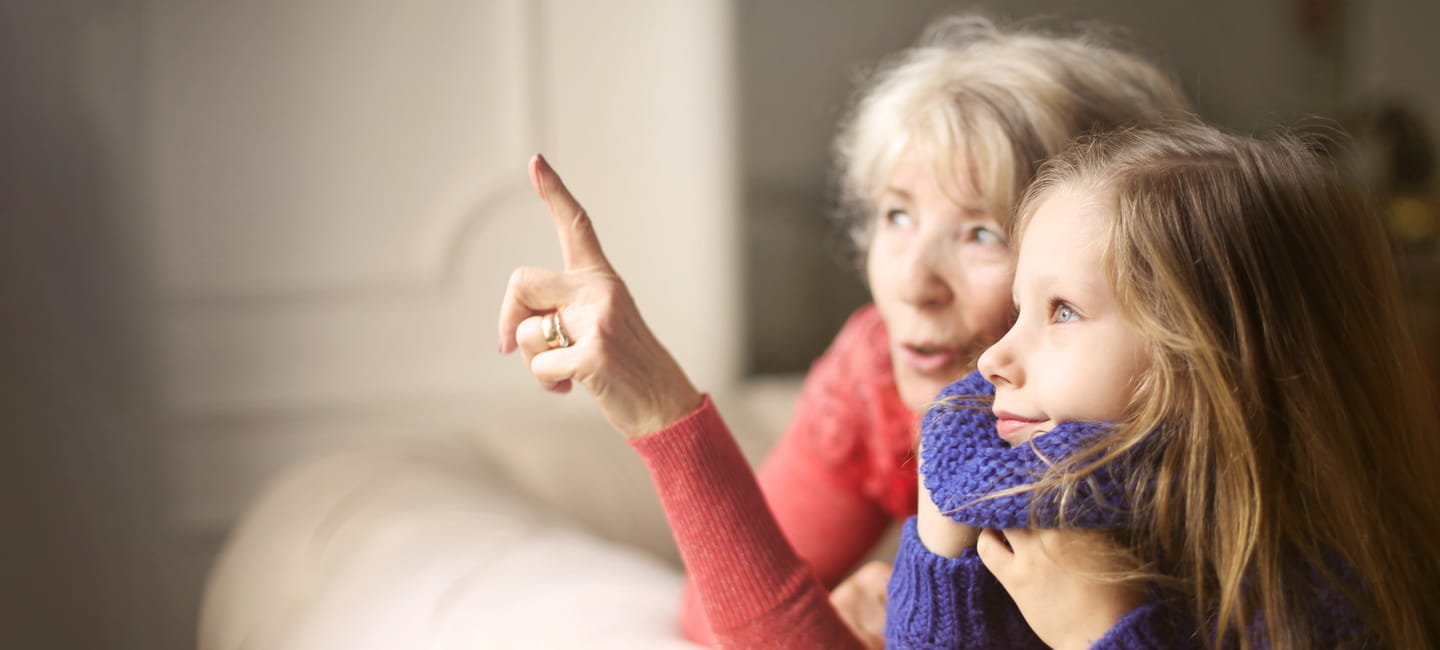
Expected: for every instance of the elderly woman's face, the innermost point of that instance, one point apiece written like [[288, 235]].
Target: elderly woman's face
[[939, 270]]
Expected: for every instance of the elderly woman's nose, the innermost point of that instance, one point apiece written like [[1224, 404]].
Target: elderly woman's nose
[[923, 281]]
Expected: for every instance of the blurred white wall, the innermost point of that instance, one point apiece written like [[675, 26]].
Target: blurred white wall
[[335, 194]]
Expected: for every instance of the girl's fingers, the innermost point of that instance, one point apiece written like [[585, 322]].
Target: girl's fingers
[[1018, 540], [989, 547], [996, 552]]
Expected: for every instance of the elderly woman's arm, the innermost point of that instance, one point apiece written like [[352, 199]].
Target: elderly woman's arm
[[755, 590], [835, 480], [727, 536]]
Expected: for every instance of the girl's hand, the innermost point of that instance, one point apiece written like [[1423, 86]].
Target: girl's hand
[[637, 384], [860, 601], [1056, 577], [939, 533]]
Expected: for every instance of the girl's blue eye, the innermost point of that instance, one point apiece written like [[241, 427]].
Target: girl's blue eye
[[1065, 313]]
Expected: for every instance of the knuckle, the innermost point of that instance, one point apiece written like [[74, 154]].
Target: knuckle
[[521, 278], [598, 362], [581, 223], [612, 298]]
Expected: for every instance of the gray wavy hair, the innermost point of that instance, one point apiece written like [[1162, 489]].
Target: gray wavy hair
[[972, 98]]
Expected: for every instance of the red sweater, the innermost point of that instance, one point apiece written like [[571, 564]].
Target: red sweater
[[841, 473]]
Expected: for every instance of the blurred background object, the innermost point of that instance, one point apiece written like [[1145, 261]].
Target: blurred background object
[[82, 492], [1394, 152], [239, 237], [1397, 159]]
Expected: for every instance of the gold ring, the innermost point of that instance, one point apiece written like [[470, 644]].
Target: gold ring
[[554, 334]]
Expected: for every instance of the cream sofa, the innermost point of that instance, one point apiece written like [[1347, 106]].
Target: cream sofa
[[551, 538]]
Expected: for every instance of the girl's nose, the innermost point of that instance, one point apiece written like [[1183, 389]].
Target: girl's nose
[[998, 363]]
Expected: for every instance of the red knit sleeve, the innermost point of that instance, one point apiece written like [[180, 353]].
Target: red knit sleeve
[[755, 590], [839, 475]]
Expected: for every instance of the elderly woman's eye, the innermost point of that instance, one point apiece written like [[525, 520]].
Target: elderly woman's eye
[[898, 217], [987, 236]]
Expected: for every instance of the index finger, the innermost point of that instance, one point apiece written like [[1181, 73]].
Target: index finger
[[579, 247]]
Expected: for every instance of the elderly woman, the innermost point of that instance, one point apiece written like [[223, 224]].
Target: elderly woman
[[937, 150]]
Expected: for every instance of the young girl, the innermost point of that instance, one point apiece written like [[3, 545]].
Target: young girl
[[1263, 476]]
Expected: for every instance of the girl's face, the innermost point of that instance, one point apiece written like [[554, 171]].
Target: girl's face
[[939, 271], [1072, 355]]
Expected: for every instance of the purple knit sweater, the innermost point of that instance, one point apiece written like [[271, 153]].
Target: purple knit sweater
[[939, 602]]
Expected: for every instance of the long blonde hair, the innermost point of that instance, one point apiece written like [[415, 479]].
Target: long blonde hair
[[1003, 100], [1294, 444]]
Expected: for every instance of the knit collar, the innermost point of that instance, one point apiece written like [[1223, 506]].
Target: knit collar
[[964, 459]]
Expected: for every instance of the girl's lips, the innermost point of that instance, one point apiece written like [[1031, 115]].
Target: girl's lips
[[928, 360], [1010, 428]]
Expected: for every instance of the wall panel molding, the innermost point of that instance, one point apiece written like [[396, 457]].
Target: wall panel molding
[[334, 195], [348, 145]]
